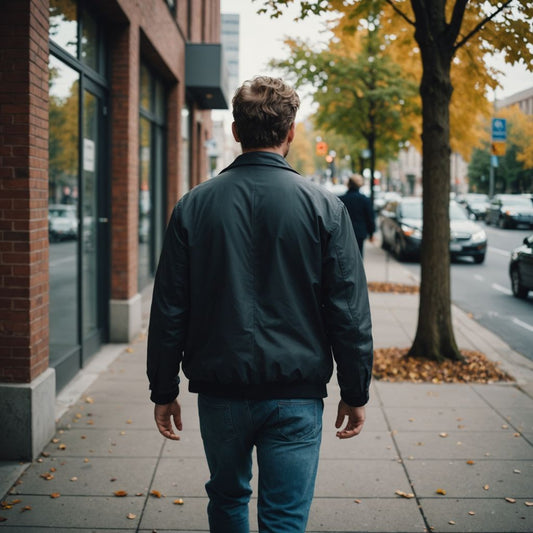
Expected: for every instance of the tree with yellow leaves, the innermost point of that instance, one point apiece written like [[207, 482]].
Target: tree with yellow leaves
[[362, 93], [445, 32]]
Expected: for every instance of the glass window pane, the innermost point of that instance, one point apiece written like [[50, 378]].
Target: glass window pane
[[159, 102], [90, 214], [146, 89], [185, 157], [89, 41], [145, 201], [62, 214], [64, 25]]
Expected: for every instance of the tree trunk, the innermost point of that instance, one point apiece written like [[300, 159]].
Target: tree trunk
[[434, 336]]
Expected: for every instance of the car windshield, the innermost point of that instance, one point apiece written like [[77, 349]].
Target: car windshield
[[62, 213], [519, 201], [457, 212], [414, 210]]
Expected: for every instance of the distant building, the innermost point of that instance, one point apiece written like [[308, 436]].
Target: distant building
[[524, 100], [229, 37]]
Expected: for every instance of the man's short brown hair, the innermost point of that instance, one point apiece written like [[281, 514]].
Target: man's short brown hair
[[264, 109]]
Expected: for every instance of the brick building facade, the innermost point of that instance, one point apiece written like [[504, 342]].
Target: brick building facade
[[104, 116]]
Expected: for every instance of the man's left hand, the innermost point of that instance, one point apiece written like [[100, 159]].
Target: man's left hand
[[164, 414]]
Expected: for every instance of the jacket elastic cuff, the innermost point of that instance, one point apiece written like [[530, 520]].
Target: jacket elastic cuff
[[355, 401], [163, 398]]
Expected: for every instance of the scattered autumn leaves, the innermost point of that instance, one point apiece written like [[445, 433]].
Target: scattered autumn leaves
[[397, 288], [393, 364]]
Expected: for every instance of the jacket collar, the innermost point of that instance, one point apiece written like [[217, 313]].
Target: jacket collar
[[260, 158]]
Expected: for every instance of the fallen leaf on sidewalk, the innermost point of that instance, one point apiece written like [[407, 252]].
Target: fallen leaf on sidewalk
[[131, 516], [155, 493], [55, 495], [510, 500], [528, 504], [178, 501], [441, 491], [403, 494], [120, 493]]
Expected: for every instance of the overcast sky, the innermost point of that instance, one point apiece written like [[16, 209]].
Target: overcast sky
[[262, 39]]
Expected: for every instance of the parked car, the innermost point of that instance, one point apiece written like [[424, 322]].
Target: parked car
[[476, 204], [401, 230], [382, 197], [62, 222], [510, 211], [521, 268]]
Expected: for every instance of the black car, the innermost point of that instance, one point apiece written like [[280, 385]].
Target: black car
[[510, 211], [521, 268], [476, 204], [401, 230]]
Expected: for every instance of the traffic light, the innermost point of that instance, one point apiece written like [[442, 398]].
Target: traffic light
[[321, 148], [497, 148]]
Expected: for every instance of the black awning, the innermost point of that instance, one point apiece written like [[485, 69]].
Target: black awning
[[205, 75]]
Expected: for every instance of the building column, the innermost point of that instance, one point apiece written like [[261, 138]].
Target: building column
[[27, 385], [125, 314]]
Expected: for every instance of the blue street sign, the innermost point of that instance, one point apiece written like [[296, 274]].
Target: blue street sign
[[499, 129]]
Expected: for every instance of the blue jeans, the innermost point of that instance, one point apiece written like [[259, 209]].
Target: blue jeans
[[287, 435]]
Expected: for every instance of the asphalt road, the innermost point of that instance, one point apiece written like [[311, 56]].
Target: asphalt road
[[485, 291]]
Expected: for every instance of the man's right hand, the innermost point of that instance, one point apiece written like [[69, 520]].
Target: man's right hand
[[356, 419]]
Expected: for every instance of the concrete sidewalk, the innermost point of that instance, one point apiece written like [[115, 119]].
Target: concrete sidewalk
[[473, 442]]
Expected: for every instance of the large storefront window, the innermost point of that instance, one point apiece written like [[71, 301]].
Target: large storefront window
[[77, 176], [151, 174], [63, 218], [185, 150]]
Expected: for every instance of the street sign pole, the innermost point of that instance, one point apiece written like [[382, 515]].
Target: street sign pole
[[498, 146]]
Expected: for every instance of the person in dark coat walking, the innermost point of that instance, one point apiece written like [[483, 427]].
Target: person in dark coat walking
[[360, 210], [259, 293]]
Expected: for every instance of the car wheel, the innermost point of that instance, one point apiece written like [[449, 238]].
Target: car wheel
[[478, 259], [518, 289], [398, 249]]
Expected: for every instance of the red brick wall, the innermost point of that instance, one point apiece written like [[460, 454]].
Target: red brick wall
[[23, 190], [124, 161]]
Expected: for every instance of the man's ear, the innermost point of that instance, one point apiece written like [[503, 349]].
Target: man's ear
[[234, 131], [292, 132]]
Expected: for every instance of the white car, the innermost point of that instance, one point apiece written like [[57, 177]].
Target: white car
[[62, 222]]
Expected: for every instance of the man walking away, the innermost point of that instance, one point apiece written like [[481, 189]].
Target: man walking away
[[360, 211], [259, 290]]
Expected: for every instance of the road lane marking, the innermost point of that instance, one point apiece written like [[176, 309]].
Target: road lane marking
[[524, 325], [499, 288], [499, 251]]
